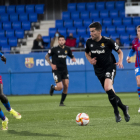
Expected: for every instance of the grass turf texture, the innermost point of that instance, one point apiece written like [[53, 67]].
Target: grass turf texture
[[42, 118]]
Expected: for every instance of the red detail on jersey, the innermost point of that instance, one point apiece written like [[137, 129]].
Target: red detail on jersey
[[135, 46], [138, 89], [1, 80], [139, 93]]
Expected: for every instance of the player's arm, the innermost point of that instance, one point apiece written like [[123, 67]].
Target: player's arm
[[71, 55], [47, 57], [131, 53], [88, 56], [3, 58]]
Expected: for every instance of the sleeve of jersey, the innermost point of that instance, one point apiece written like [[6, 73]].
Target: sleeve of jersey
[[87, 48], [1, 54], [114, 45], [132, 51], [70, 54], [50, 52]]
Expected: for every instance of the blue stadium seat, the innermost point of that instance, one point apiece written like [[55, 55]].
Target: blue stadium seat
[[126, 45], [105, 34], [59, 23], [3, 41], [75, 15], [122, 13], [68, 23], [16, 25], [86, 37], [127, 21], [114, 36], [71, 30], [12, 41], [13, 17], [111, 29], [98, 20], [62, 31], [66, 15], [130, 29], [132, 36], [88, 31], [81, 31], [78, 23], [33, 17], [100, 5], [20, 9], [19, 33], [71, 7], [124, 38], [103, 29], [26, 25], [11, 9], [6, 48], [120, 4], [52, 31], [120, 29], [30, 8], [136, 21], [87, 22], [94, 14], [4, 17], [85, 15], [104, 14], [107, 21], [2, 33], [81, 6], [6, 25], [114, 14], [46, 39], [90, 6], [0, 25], [23, 17], [2, 9], [110, 5], [10, 33], [117, 21], [39, 8]]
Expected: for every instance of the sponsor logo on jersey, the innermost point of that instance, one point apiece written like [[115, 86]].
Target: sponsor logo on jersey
[[62, 56], [91, 45], [29, 62], [66, 52], [98, 51], [102, 45]]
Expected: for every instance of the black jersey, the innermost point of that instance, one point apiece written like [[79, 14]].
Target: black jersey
[[59, 56], [102, 50]]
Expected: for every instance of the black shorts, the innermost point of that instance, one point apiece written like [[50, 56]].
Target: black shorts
[[60, 75], [110, 72]]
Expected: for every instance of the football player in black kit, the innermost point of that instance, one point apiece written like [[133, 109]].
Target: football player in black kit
[[98, 51], [59, 67]]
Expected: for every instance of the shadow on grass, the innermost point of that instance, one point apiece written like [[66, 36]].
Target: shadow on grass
[[27, 133], [135, 124]]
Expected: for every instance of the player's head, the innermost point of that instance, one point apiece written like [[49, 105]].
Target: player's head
[[95, 30], [138, 31], [61, 40]]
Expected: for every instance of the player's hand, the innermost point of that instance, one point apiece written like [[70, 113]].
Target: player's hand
[[93, 61], [119, 64], [128, 59], [3, 59], [73, 59], [53, 67]]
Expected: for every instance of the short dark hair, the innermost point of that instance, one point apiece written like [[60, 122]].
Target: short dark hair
[[96, 25], [138, 26], [61, 36]]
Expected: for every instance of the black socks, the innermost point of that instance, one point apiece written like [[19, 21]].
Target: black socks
[[63, 98]]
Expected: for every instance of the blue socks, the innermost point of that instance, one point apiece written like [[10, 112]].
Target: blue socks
[[138, 92], [2, 115], [7, 105]]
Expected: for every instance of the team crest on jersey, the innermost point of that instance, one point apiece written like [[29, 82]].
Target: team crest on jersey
[[102, 45], [66, 52], [29, 62], [91, 45]]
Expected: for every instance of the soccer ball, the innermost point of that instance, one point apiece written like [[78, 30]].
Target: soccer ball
[[82, 119]]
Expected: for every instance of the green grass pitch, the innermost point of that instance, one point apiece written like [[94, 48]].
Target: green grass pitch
[[43, 119]]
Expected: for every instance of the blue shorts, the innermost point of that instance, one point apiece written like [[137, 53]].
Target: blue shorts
[[137, 71]]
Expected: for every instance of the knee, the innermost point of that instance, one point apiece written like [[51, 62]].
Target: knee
[[60, 87], [66, 86], [138, 84], [107, 88]]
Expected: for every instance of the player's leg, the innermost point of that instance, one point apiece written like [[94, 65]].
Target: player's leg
[[4, 120], [58, 81], [138, 87], [6, 103], [65, 90]]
